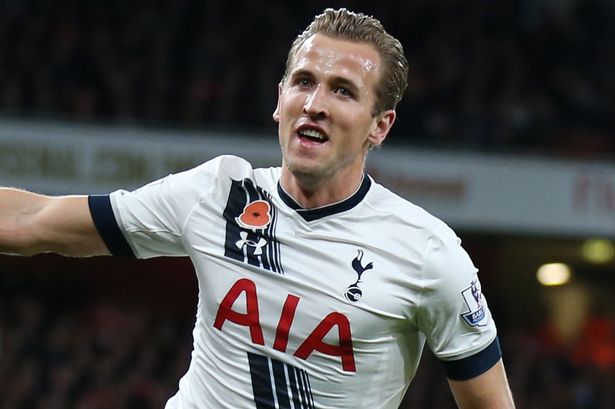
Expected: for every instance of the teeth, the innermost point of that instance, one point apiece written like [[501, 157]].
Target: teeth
[[312, 134]]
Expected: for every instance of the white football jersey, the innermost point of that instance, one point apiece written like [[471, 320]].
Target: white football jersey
[[320, 308]]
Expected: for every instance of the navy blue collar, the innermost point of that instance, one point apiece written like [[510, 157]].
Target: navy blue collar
[[319, 212]]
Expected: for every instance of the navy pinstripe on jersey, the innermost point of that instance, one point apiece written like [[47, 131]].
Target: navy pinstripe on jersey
[[255, 246], [279, 386]]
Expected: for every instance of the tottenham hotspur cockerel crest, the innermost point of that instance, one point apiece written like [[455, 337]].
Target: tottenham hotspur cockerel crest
[[353, 292]]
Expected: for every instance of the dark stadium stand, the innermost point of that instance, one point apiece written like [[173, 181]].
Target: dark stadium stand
[[509, 75]]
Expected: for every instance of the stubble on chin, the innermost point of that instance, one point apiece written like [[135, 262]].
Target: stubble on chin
[[305, 175]]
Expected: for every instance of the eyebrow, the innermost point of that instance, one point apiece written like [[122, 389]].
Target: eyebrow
[[336, 81], [301, 73], [346, 83]]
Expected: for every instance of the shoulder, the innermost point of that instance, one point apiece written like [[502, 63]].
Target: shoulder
[[427, 236], [388, 204], [214, 173], [227, 167], [224, 165], [186, 187]]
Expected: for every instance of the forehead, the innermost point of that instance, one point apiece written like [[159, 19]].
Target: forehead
[[332, 56]]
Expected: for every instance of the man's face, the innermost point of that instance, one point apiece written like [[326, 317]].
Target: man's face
[[324, 110]]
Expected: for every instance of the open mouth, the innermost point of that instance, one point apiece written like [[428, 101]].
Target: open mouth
[[312, 136]]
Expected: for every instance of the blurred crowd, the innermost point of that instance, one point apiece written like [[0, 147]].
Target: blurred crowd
[[531, 75], [85, 353], [88, 355]]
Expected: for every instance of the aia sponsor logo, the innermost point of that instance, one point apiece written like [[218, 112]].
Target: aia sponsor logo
[[241, 307]]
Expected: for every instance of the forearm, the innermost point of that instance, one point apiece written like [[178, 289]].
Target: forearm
[[31, 223], [487, 391], [17, 211]]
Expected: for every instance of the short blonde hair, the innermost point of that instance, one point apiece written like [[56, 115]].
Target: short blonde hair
[[358, 27]]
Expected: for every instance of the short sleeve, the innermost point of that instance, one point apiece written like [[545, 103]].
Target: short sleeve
[[453, 313], [152, 218]]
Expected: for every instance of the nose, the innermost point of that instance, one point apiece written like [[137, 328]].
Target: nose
[[315, 104]]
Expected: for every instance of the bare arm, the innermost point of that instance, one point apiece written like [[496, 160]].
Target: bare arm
[[31, 223], [487, 391]]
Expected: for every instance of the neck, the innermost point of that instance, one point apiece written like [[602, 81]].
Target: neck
[[310, 194]]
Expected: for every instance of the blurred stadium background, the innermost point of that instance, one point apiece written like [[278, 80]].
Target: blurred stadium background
[[506, 132]]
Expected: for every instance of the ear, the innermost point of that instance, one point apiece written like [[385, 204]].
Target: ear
[[381, 127], [276, 113]]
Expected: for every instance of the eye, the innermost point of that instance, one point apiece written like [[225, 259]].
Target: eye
[[345, 92], [303, 82]]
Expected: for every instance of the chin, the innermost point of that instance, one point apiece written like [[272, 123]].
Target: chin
[[305, 172]]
